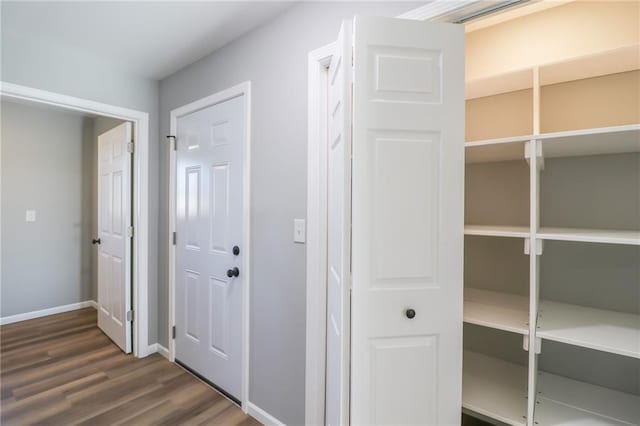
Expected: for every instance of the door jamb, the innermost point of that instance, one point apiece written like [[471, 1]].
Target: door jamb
[[140, 207], [242, 89], [316, 334]]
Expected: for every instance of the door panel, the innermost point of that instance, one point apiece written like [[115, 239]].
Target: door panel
[[407, 222], [338, 220], [208, 224], [114, 217]]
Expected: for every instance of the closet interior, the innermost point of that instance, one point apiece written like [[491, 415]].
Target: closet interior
[[552, 242]]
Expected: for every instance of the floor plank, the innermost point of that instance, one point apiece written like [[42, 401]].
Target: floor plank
[[62, 370]]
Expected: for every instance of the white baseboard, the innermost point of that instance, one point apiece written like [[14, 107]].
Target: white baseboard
[[163, 351], [262, 416], [157, 347], [50, 311]]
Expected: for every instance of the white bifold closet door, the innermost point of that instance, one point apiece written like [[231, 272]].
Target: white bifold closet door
[[114, 222], [402, 172]]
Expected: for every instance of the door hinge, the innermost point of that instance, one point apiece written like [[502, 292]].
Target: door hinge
[[173, 332], [130, 147], [174, 238], [172, 140], [130, 315], [130, 231]]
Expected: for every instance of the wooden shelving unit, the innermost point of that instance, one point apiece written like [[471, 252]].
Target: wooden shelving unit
[[494, 388], [497, 231], [603, 236], [563, 401], [508, 312], [526, 395], [599, 329]]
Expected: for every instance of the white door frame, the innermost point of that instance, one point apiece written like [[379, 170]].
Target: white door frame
[[140, 175], [316, 333], [242, 89]]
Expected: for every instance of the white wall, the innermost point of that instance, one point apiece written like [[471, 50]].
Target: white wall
[[274, 59], [45, 65], [47, 166]]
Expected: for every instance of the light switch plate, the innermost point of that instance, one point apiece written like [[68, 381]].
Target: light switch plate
[[299, 230], [30, 216]]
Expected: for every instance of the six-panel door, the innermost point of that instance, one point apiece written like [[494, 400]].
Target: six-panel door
[[209, 224]]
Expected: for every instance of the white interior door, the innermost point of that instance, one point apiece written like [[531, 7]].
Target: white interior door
[[338, 230], [114, 226], [407, 222], [209, 283]]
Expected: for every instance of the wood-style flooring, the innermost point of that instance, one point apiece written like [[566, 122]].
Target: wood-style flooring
[[62, 370]]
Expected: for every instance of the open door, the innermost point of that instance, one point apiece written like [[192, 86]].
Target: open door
[[338, 230], [404, 247], [115, 233]]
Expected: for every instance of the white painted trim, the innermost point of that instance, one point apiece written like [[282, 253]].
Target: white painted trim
[[262, 416], [318, 63], [140, 259], [436, 9], [242, 89], [157, 347], [49, 311], [162, 350]]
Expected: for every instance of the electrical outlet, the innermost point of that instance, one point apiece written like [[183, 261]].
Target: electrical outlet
[[299, 230], [30, 216]]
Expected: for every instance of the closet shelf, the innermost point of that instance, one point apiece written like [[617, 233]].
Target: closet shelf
[[563, 401], [494, 388], [497, 310], [497, 231], [608, 331], [573, 143], [494, 150], [603, 140], [606, 236]]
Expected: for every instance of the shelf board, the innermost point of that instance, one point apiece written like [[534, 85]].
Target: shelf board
[[608, 331], [605, 236], [567, 402], [502, 311], [494, 388], [493, 150], [497, 231], [612, 61], [502, 83], [573, 143], [597, 141]]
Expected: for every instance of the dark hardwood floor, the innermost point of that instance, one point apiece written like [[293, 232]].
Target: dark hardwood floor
[[62, 370]]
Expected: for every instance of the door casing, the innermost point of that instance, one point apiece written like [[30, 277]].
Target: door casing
[[140, 173], [242, 89]]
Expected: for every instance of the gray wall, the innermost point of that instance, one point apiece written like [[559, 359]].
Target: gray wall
[[46, 166], [274, 59], [45, 65]]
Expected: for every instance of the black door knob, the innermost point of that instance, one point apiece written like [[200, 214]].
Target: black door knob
[[233, 272], [96, 241], [410, 313], [236, 250]]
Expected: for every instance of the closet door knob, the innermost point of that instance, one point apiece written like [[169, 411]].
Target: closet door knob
[[96, 241], [410, 313], [233, 272]]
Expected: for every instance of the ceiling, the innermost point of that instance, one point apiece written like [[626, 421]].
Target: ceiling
[[149, 39]]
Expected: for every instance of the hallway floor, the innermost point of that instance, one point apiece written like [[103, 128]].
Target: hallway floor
[[62, 370]]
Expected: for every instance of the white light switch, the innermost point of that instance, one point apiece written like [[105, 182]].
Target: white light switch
[[299, 230], [30, 216]]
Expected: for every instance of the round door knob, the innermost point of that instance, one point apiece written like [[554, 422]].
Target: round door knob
[[96, 241], [236, 250], [233, 272], [410, 313]]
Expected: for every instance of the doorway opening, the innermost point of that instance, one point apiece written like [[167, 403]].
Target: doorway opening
[[129, 321]]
